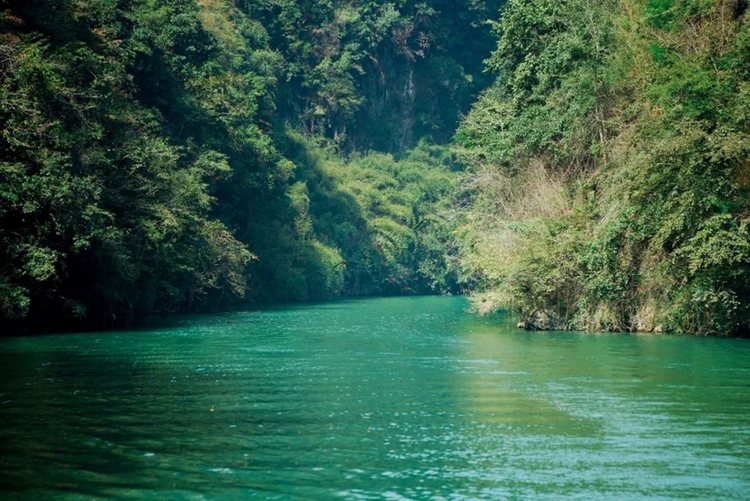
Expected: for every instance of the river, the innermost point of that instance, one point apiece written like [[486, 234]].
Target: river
[[376, 399]]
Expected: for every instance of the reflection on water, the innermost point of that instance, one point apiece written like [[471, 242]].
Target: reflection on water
[[392, 399]]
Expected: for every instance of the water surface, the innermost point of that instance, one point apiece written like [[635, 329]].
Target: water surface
[[379, 399]]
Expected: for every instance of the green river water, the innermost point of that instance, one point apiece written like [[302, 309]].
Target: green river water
[[382, 399]]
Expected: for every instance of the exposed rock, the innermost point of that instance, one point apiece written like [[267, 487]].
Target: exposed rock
[[543, 321]]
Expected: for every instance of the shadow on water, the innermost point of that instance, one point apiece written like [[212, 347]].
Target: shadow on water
[[80, 414]]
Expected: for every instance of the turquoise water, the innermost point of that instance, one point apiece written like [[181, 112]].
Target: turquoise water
[[382, 399]]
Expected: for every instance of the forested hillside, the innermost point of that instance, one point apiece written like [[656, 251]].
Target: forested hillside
[[187, 155], [610, 173], [180, 155]]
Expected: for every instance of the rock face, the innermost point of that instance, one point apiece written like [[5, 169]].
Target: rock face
[[543, 321], [391, 93], [409, 97], [415, 80]]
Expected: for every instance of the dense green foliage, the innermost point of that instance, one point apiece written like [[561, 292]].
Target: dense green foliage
[[148, 161], [105, 211], [373, 225], [179, 155], [610, 166]]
